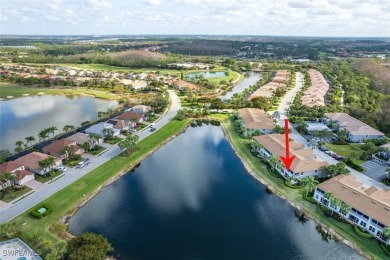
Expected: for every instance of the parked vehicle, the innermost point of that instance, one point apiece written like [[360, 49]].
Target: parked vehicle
[[152, 129], [62, 169], [86, 162], [80, 165], [328, 152], [334, 156]]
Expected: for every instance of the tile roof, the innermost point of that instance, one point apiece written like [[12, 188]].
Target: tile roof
[[20, 174], [315, 94], [304, 160], [280, 77], [256, 119], [128, 115], [31, 160], [369, 200], [56, 148], [353, 125], [9, 166]]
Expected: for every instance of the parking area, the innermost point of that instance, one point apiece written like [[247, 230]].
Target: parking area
[[34, 184], [375, 170]]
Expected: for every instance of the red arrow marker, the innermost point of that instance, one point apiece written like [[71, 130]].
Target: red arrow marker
[[287, 160]]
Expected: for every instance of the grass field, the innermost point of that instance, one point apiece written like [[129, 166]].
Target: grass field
[[10, 196], [345, 150], [67, 198], [370, 246], [18, 91]]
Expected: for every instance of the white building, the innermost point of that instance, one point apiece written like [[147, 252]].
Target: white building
[[304, 164], [370, 206], [357, 131], [98, 129], [256, 119]]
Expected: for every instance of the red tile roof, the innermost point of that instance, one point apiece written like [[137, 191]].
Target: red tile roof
[[20, 174], [129, 116], [9, 166], [57, 147]]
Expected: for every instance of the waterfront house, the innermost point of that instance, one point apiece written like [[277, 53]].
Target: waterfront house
[[81, 138], [256, 119], [304, 164], [280, 79], [119, 124], [98, 129], [57, 148], [315, 94], [23, 176], [357, 131], [141, 109], [31, 162], [131, 118], [370, 205], [11, 167]]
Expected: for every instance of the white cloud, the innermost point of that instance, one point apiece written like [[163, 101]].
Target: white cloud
[[154, 2]]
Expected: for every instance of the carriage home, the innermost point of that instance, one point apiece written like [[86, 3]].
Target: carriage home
[[256, 119], [31, 162], [280, 79], [370, 205], [315, 94], [304, 164], [357, 131], [100, 129], [21, 175], [57, 148]]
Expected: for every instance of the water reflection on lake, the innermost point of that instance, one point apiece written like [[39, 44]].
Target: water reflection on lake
[[249, 80], [208, 74], [27, 116], [193, 199]]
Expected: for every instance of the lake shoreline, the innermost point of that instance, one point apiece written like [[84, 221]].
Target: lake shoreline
[[293, 204]]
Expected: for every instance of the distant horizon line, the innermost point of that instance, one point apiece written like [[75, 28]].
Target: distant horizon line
[[192, 35]]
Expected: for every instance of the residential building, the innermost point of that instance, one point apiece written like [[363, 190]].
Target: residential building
[[315, 94], [98, 129], [312, 127], [81, 138], [56, 148], [23, 176], [383, 156], [256, 119], [119, 124], [31, 162], [131, 118], [280, 79], [370, 205], [10, 167], [357, 131], [304, 164], [141, 109]]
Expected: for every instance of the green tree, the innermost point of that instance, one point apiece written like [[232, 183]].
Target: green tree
[[129, 144], [94, 138], [387, 171], [30, 139], [43, 134], [88, 246], [8, 177], [342, 135], [85, 123], [69, 128], [86, 146], [52, 129], [310, 183], [19, 146], [108, 133], [345, 208], [67, 151], [4, 154]]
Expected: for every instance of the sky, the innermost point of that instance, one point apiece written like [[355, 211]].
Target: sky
[[367, 18]]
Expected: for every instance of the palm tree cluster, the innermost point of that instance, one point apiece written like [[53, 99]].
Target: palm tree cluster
[[129, 144], [48, 165], [335, 203], [94, 138], [335, 169]]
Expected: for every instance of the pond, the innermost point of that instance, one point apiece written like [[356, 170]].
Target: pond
[[193, 199], [207, 74], [27, 116], [249, 80]]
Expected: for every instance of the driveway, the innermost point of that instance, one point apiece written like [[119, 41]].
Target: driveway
[[375, 170], [72, 175], [35, 185]]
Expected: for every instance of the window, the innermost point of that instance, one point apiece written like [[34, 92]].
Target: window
[[316, 196], [371, 229], [363, 224]]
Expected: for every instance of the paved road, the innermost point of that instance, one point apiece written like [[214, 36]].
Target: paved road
[[375, 170], [285, 103], [72, 175]]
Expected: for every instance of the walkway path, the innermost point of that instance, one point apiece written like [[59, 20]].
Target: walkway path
[[284, 105], [10, 211]]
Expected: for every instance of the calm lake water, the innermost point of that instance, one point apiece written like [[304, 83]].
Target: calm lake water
[[193, 199], [27, 116], [207, 75], [249, 80]]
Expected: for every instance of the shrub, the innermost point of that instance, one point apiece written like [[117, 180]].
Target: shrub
[[354, 165], [309, 199], [361, 232], [290, 185], [35, 213], [385, 248]]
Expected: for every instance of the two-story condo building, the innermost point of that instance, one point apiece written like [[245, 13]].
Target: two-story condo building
[[370, 205], [256, 119], [357, 131], [304, 164]]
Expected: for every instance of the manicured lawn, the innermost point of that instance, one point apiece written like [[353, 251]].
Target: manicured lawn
[[14, 194], [71, 163], [113, 140], [97, 150], [67, 198], [46, 178], [18, 91], [345, 150]]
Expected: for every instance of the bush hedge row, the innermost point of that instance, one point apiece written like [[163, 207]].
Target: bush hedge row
[[361, 232], [36, 214], [354, 165]]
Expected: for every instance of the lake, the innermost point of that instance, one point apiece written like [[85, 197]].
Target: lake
[[207, 74], [28, 115], [193, 199], [249, 80]]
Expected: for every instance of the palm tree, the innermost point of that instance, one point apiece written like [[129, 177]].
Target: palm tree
[[108, 133], [129, 144], [52, 129], [101, 114], [43, 134], [94, 139], [86, 146], [19, 147], [69, 128], [61, 248], [10, 178], [275, 162], [67, 151], [310, 183], [387, 171], [44, 164], [30, 139]]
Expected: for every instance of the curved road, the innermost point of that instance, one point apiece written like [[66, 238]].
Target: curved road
[[72, 175]]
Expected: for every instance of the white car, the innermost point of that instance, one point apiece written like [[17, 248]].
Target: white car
[[62, 169]]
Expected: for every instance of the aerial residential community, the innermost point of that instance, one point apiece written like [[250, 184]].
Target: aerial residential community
[[138, 143]]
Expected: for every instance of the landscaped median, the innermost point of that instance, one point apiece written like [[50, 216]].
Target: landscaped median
[[71, 196], [369, 247]]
